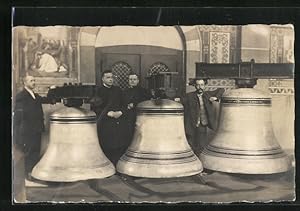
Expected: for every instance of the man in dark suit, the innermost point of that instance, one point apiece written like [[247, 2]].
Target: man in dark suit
[[132, 96], [109, 107], [28, 123], [199, 114]]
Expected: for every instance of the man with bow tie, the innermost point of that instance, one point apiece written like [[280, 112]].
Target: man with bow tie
[[199, 114], [28, 123]]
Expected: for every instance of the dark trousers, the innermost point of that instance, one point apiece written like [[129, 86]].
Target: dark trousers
[[31, 151], [112, 139], [129, 128], [115, 154], [198, 139]]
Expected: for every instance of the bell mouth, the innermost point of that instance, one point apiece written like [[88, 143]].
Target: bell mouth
[[159, 168], [58, 174], [246, 163]]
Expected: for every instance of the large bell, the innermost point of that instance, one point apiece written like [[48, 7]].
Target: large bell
[[74, 152], [159, 148], [245, 141]]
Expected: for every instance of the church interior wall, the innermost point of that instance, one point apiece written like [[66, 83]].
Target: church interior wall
[[269, 45], [87, 65], [139, 58]]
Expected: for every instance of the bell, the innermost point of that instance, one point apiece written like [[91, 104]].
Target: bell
[[74, 152], [245, 141], [159, 148]]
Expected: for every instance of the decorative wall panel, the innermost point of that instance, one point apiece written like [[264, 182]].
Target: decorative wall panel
[[219, 43], [281, 45], [219, 47], [220, 83], [121, 71], [281, 87], [157, 67]]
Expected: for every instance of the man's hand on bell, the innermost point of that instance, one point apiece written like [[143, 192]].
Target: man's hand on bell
[[130, 106], [212, 99]]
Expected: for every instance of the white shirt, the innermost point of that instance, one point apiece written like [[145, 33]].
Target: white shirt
[[200, 98], [30, 92]]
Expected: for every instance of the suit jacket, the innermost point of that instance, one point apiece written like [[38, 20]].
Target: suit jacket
[[191, 109], [28, 116], [134, 95], [107, 99]]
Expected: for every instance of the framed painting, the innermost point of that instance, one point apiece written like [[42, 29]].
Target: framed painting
[[47, 53]]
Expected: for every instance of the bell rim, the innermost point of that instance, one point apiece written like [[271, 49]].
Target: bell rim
[[159, 171], [96, 173], [246, 165]]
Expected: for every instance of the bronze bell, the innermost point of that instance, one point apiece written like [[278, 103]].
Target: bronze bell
[[74, 152], [245, 141], [159, 148]]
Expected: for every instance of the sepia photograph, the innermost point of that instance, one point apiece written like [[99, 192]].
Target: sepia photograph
[[169, 114]]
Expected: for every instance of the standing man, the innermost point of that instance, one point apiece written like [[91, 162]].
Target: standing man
[[108, 106], [28, 122], [132, 96], [199, 114]]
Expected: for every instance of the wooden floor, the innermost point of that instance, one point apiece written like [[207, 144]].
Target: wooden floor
[[210, 188]]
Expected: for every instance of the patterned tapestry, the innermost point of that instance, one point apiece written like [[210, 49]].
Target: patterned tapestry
[[219, 47], [282, 45], [282, 51]]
